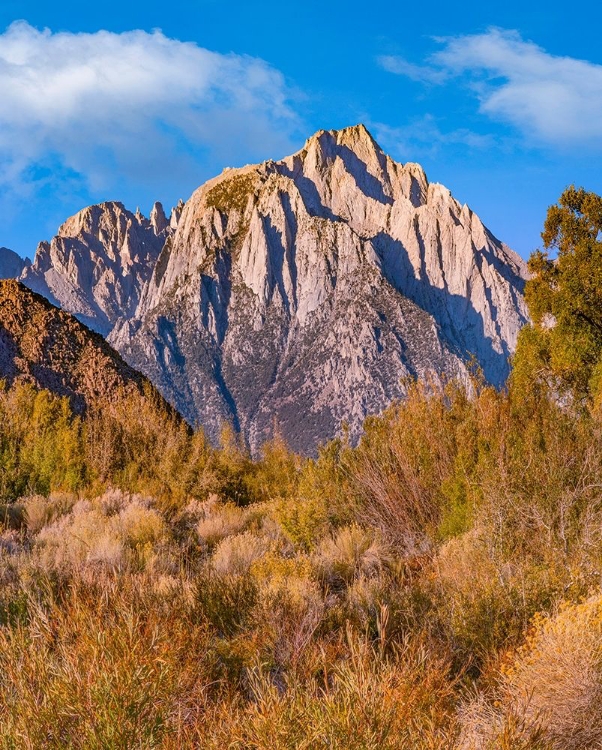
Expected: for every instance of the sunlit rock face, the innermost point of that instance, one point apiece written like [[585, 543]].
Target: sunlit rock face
[[301, 294], [50, 349], [99, 262], [297, 295]]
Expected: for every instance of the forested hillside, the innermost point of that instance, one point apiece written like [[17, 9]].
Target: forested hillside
[[437, 586]]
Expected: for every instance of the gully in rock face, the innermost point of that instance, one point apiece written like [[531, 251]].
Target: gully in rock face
[[301, 293]]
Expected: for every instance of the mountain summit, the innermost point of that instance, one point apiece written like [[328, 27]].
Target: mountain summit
[[98, 263], [299, 293]]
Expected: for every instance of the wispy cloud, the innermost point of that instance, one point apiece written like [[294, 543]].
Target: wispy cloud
[[550, 99], [97, 107], [421, 73], [424, 136]]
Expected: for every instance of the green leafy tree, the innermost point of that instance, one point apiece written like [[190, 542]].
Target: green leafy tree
[[562, 349]]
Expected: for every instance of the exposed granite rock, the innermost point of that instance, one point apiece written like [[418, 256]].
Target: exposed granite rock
[[99, 262], [298, 293], [303, 292], [176, 214], [158, 219]]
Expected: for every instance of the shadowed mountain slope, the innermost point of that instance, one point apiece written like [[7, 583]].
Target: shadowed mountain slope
[[11, 264]]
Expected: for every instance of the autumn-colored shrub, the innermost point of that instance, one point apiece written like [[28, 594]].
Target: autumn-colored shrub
[[109, 666], [365, 702], [186, 595], [351, 552], [552, 687]]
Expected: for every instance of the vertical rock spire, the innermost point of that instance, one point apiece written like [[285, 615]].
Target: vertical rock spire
[[158, 219]]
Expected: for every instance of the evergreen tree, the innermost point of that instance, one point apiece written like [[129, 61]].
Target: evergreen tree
[[563, 347]]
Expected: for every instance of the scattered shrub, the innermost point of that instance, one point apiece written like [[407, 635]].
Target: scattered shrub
[[351, 552], [139, 526], [552, 689], [235, 555], [158, 592], [220, 521], [39, 511], [365, 702]]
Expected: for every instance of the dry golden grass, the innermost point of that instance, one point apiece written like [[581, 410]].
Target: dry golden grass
[[108, 666], [362, 600], [234, 555], [364, 702], [219, 521], [351, 552], [553, 685]]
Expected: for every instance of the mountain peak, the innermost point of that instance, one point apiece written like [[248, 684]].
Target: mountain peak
[[354, 140], [352, 134], [303, 291], [11, 264], [89, 218], [158, 219], [96, 265]]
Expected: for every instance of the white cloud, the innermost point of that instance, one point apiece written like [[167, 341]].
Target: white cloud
[[550, 99], [106, 106]]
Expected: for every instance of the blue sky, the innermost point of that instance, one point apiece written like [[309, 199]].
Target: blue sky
[[139, 102]]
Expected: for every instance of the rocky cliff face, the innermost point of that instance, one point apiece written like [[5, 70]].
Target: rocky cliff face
[[298, 294], [11, 264], [99, 262], [301, 293], [49, 348]]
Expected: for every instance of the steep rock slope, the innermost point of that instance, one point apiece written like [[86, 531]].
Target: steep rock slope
[[302, 292], [98, 263], [51, 349], [11, 264]]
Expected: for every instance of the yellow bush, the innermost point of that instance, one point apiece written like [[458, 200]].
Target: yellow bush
[[274, 569], [552, 689], [363, 600], [304, 520], [351, 552], [138, 526], [289, 606], [480, 599], [234, 555], [288, 612]]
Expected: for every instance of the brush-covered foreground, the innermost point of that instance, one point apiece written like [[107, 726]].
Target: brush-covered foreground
[[436, 587], [439, 586]]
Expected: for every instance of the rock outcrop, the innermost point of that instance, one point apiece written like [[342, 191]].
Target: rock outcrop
[[302, 293], [298, 294], [49, 348], [99, 262]]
